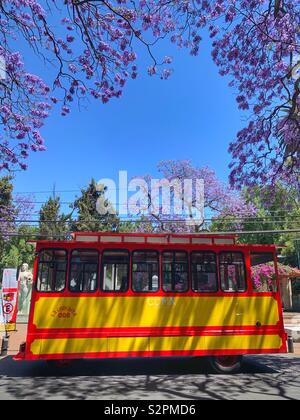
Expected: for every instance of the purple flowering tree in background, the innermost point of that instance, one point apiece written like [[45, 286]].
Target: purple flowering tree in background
[[7, 217], [93, 47], [219, 200], [12, 209]]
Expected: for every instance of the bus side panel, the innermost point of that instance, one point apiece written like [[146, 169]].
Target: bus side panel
[[153, 312], [74, 348], [63, 327]]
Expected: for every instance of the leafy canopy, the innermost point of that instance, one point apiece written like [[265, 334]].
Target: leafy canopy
[[93, 45]]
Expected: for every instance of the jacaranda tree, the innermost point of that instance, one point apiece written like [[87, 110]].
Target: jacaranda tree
[[92, 44], [185, 205]]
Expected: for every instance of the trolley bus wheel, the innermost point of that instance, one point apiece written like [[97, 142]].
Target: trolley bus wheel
[[226, 364]]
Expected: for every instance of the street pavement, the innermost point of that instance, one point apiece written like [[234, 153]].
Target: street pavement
[[275, 377]]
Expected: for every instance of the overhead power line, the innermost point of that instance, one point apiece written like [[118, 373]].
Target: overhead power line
[[62, 191], [230, 233], [225, 220], [271, 214]]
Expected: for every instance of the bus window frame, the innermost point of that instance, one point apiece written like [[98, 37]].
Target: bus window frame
[[218, 273], [174, 251], [159, 272], [70, 269], [276, 263], [247, 290], [67, 251], [102, 271]]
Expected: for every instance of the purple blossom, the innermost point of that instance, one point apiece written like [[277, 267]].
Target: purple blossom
[[254, 45], [220, 200]]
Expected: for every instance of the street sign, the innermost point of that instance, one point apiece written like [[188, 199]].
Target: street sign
[[2, 321], [9, 298]]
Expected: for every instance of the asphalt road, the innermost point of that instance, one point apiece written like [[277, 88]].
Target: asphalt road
[[266, 377]]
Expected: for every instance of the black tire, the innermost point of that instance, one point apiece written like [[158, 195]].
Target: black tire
[[228, 365]]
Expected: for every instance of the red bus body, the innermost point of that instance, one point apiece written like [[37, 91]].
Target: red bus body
[[102, 324]]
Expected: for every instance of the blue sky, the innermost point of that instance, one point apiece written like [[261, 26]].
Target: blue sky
[[193, 116]]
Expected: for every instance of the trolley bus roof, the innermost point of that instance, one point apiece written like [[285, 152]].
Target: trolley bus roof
[[148, 239]]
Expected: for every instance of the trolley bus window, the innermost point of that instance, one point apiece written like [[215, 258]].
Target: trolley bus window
[[233, 272], [204, 272], [115, 271], [52, 270], [175, 271], [263, 273], [84, 271], [145, 271]]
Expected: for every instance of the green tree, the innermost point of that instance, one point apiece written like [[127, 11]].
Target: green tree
[[130, 227], [94, 212], [7, 208], [7, 213], [17, 250], [276, 210], [14, 246], [52, 223]]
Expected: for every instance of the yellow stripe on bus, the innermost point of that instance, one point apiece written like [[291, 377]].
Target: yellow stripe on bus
[[145, 344], [245, 342], [130, 312]]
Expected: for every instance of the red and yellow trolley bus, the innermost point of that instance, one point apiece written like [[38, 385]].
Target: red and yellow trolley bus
[[103, 295]]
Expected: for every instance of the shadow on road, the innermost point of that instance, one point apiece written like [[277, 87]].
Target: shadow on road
[[267, 377], [121, 367]]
